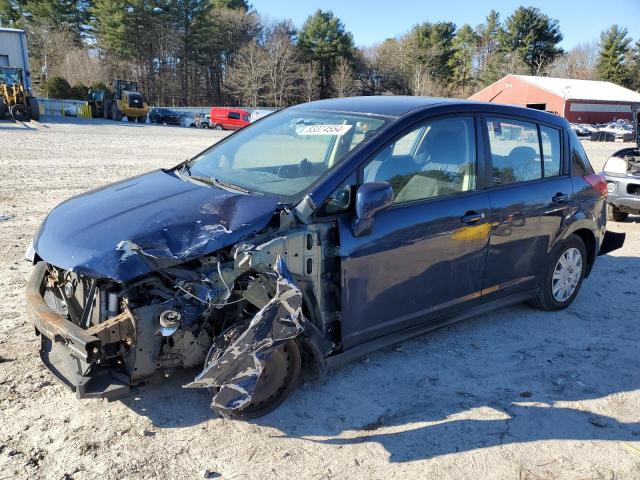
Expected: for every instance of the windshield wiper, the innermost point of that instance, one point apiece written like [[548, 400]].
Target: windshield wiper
[[228, 185], [217, 183]]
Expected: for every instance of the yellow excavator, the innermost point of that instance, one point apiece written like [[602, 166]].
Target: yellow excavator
[[126, 101], [15, 99]]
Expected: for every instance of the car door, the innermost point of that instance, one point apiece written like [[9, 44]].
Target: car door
[[233, 120], [529, 201], [426, 254]]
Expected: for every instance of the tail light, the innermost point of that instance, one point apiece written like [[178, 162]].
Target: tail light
[[598, 182]]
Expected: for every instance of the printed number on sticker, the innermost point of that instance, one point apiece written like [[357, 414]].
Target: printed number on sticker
[[325, 130]]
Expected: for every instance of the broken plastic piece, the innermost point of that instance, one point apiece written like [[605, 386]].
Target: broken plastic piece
[[236, 372]]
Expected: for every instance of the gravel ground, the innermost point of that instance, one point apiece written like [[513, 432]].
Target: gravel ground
[[517, 394]]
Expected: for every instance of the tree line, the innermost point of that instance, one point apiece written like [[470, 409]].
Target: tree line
[[222, 52]]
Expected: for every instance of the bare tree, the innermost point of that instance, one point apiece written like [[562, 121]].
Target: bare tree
[[281, 69], [579, 62], [246, 79], [310, 86], [423, 83], [343, 79]]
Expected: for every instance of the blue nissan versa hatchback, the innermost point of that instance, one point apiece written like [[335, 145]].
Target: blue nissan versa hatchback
[[316, 235]]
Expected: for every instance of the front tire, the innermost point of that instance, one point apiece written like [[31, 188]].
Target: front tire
[[20, 112], [279, 378], [615, 214], [565, 273]]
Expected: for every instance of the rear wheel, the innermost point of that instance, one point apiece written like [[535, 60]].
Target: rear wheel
[[35, 108], [204, 125], [218, 126], [615, 214], [565, 273], [278, 379], [3, 109]]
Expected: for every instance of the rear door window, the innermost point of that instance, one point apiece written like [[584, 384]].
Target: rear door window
[[515, 151], [234, 115], [550, 151]]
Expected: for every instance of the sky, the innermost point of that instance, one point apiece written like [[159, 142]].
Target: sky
[[372, 21]]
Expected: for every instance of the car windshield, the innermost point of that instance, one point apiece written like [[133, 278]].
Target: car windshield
[[285, 152]]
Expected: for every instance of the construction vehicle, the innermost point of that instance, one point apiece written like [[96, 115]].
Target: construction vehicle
[[126, 101], [96, 102], [15, 98]]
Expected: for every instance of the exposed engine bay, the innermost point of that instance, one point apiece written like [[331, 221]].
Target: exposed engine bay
[[227, 313], [631, 156]]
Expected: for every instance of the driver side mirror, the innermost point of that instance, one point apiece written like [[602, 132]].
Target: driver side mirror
[[371, 198]]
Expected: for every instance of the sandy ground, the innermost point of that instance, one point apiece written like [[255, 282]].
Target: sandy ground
[[517, 394]]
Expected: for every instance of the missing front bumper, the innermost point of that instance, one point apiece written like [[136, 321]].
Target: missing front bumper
[[71, 353]]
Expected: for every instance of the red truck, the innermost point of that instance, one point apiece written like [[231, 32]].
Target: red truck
[[225, 118]]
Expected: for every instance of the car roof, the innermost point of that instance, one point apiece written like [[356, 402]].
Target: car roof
[[399, 105], [388, 105]]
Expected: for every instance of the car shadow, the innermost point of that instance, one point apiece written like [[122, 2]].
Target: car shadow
[[514, 375], [167, 404]]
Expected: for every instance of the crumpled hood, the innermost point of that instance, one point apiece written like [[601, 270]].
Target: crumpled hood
[[145, 223]]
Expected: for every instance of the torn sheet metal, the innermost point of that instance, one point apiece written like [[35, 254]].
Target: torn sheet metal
[[235, 373], [147, 223]]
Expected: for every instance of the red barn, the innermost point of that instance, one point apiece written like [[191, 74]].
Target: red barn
[[579, 101]]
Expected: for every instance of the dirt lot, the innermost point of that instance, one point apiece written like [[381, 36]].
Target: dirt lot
[[517, 394]]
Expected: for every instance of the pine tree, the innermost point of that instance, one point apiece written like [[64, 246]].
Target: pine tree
[[465, 46], [11, 13], [71, 15], [324, 39], [532, 37], [633, 77], [432, 45], [614, 45]]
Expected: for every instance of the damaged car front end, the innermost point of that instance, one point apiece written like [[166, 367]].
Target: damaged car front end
[[312, 237], [622, 173], [182, 268]]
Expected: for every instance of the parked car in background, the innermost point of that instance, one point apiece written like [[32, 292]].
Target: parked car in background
[[164, 115], [588, 127], [622, 173], [224, 118], [617, 129], [322, 233], [204, 121], [189, 120], [580, 130]]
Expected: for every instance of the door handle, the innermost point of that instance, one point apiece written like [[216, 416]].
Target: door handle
[[560, 198], [472, 217]]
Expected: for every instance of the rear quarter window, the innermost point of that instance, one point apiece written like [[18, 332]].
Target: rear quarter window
[[580, 165]]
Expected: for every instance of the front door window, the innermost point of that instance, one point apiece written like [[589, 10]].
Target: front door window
[[435, 159]]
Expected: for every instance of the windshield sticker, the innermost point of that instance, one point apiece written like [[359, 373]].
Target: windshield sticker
[[325, 130]]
